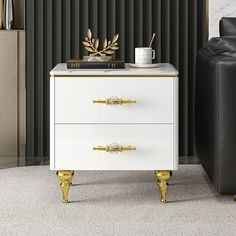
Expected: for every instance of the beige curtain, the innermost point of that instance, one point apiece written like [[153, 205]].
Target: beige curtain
[[1, 13]]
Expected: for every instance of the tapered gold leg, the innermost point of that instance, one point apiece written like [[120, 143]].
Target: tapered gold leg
[[162, 181], [234, 197], [65, 178], [72, 174]]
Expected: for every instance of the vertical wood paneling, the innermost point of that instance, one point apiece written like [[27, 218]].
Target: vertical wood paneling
[[192, 51], [83, 24], [129, 31], [56, 29], [165, 30], [202, 22], [57, 23], [111, 20], [174, 33], [183, 84], [66, 30], [75, 27], [138, 26], [120, 28], [39, 80], [102, 22], [147, 22], [156, 28], [93, 17], [48, 63]]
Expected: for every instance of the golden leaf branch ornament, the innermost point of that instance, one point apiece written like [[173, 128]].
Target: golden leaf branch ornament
[[92, 45]]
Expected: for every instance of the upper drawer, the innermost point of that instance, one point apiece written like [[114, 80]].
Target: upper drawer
[[77, 100]]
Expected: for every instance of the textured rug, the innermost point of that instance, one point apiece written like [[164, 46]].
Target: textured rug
[[112, 203]]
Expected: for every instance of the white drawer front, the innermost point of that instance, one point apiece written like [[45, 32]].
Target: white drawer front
[[74, 147], [74, 100]]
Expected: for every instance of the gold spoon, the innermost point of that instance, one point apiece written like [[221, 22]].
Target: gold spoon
[[153, 36]]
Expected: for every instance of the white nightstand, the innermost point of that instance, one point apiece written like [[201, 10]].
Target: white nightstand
[[114, 120]]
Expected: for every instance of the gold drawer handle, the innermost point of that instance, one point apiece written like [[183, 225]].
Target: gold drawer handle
[[114, 100], [114, 148]]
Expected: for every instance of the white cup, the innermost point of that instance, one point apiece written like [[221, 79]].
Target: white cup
[[144, 55]]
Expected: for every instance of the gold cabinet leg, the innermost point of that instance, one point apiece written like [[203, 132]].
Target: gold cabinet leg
[[162, 181], [65, 178], [72, 174]]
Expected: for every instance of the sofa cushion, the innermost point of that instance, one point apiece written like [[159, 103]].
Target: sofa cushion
[[228, 26], [223, 45]]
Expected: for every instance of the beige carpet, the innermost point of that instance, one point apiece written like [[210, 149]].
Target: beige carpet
[[112, 203]]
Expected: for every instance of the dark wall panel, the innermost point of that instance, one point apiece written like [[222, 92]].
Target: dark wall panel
[[55, 30]]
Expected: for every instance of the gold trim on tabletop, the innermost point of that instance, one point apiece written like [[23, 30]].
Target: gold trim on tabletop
[[65, 178], [162, 181], [112, 75]]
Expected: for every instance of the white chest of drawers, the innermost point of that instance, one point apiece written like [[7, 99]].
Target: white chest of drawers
[[114, 120]]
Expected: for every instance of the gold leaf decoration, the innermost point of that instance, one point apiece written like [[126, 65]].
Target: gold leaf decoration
[[89, 49], [114, 48], [89, 34], [96, 43], [105, 43], [109, 47], [86, 44], [115, 38], [109, 51]]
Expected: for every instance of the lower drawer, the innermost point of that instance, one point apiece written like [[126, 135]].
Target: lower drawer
[[75, 144]]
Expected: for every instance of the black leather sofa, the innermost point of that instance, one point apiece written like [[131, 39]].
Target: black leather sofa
[[215, 108]]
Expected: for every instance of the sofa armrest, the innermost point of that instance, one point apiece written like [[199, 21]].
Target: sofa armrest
[[216, 118], [206, 111]]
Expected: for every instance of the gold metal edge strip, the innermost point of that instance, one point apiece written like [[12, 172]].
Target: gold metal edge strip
[[114, 76]]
